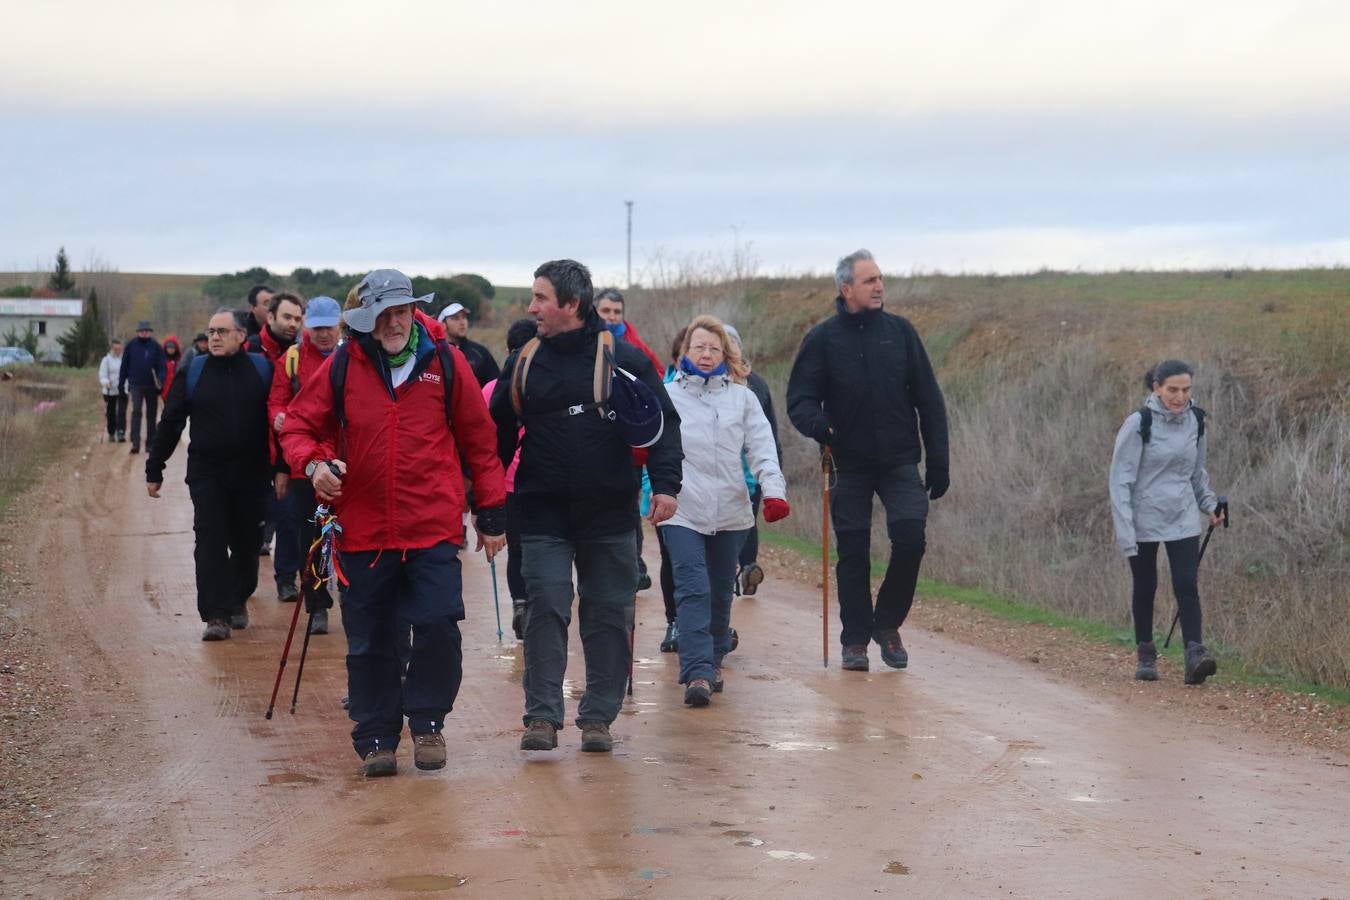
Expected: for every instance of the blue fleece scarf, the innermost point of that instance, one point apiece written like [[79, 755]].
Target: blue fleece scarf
[[687, 366], [618, 330]]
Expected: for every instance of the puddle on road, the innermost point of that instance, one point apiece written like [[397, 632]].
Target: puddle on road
[[791, 746], [291, 778], [736, 832], [371, 821], [896, 868], [426, 883], [750, 842], [653, 874], [659, 829], [789, 854]]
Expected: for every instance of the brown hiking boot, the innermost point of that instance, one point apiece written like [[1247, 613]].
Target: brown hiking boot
[[379, 764], [595, 737], [429, 751], [893, 651], [539, 735], [698, 692], [854, 657], [216, 630]]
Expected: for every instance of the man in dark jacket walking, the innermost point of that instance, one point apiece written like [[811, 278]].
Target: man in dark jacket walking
[[225, 396], [863, 388], [144, 369], [574, 491], [455, 320]]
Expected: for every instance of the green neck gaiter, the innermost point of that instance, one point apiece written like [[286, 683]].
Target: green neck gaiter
[[402, 356]]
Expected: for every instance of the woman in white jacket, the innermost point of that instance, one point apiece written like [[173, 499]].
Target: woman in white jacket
[[719, 419], [114, 401]]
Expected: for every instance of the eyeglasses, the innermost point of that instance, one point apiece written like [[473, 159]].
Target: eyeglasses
[[700, 349], [220, 332]]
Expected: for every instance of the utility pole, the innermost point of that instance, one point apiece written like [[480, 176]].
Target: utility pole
[[629, 283]]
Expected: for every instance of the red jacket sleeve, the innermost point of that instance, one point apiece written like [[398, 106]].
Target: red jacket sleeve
[[311, 428], [279, 396], [475, 435], [632, 336]]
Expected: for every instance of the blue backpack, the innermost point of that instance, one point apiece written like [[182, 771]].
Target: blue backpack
[[194, 373]]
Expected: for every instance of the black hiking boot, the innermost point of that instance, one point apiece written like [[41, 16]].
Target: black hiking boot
[[735, 639], [287, 592], [1147, 667], [1199, 664], [319, 624], [671, 642], [698, 692], [135, 449], [854, 657], [121, 437], [429, 751], [239, 618], [379, 764], [216, 630], [595, 737], [893, 652], [751, 578], [539, 735]]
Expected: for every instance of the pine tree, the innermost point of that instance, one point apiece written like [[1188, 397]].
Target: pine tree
[[60, 280], [84, 344]]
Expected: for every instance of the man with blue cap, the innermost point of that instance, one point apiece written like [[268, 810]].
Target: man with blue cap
[[298, 365]]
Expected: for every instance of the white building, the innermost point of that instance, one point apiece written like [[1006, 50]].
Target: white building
[[49, 320]]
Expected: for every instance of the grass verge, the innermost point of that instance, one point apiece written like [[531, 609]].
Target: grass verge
[[1234, 667], [29, 428]]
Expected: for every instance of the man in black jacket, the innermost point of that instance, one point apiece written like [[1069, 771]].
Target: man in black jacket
[[862, 387], [225, 395], [574, 492], [455, 319]]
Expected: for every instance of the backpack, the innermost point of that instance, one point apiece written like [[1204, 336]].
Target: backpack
[[291, 362], [337, 377], [600, 384], [261, 365], [1146, 423]]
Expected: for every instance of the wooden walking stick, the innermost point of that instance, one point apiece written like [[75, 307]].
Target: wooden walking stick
[[826, 470]]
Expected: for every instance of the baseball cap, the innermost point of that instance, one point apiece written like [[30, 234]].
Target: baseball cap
[[378, 291], [322, 312], [449, 311], [636, 409]]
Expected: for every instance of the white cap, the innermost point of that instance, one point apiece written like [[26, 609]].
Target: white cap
[[449, 311]]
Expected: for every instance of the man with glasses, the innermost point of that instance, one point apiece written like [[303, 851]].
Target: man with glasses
[[224, 394]]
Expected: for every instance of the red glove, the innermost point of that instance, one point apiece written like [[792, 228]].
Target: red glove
[[775, 509]]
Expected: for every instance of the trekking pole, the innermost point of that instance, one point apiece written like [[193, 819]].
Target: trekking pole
[[285, 652], [1220, 508], [300, 669], [826, 470], [496, 602], [632, 646]]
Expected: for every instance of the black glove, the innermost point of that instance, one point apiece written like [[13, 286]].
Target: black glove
[[824, 434], [492, 520], [936, 481], [318, 599]]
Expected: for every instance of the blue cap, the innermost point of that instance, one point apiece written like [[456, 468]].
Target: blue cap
[[322, 312], [636, 409]]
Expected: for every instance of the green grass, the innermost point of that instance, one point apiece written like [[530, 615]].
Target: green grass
[[1011, 611], [28, 455]]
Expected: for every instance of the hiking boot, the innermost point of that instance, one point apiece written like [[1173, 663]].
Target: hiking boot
[[595, 737], [1199, 664], [735, 639], [239, 618], [347, 701], [644, 581], [751, 578], [429, 751], [121, 437], [717, 681], [854, 657], [216, 630], [287, 592], [135, 449], [893, 651], [671, 642], [380, 763], [539, 735], [698, 692], [1147, 668], [319, 624]]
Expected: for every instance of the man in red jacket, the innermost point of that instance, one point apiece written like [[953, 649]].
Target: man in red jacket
[[370, 431], [296, 368], [610, 305]]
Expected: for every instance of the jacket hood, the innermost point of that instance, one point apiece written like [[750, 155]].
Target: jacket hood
[[172, 340], [701, 382], [1154, 402]]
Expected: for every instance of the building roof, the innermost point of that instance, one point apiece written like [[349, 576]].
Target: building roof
[[40, 307]]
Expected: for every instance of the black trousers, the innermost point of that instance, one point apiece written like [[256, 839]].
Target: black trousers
[[115, 412], [901, 491], [146, 396], [667, 579], [227, 516], [515, 581], [1183, 559], [750, 549]]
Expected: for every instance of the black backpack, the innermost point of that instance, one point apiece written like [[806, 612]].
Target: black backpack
[[337, 377], [1146, 423]]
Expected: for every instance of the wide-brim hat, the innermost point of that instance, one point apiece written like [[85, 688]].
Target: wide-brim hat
[[322, 312], [636, 408], [143, 325], [379, 291]]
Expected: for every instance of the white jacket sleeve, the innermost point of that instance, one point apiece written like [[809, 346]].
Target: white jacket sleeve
[[1124, 471], [761, 454], [1204, 496]]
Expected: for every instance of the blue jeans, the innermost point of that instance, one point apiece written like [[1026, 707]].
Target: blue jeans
[[704, 566], [607, 584], [389, 590], [284, 514]]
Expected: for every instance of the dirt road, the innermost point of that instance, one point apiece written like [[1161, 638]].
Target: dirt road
[[968, 775]]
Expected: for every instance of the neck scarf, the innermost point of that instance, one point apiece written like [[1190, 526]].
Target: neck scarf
[[687, 366], [618, 330], [402, 356]]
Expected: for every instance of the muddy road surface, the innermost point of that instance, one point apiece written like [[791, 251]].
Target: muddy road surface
[[967, 775]]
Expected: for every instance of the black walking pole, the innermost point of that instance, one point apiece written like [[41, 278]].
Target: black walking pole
[[1221, 509], [285, 652], [300, 669]]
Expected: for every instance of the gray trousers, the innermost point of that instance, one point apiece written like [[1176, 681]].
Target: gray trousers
[[607, 583]]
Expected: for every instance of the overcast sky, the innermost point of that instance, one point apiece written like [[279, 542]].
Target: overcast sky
[[444, 137]]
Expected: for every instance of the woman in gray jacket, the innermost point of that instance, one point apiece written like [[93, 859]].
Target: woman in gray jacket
[[1159, 489]]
